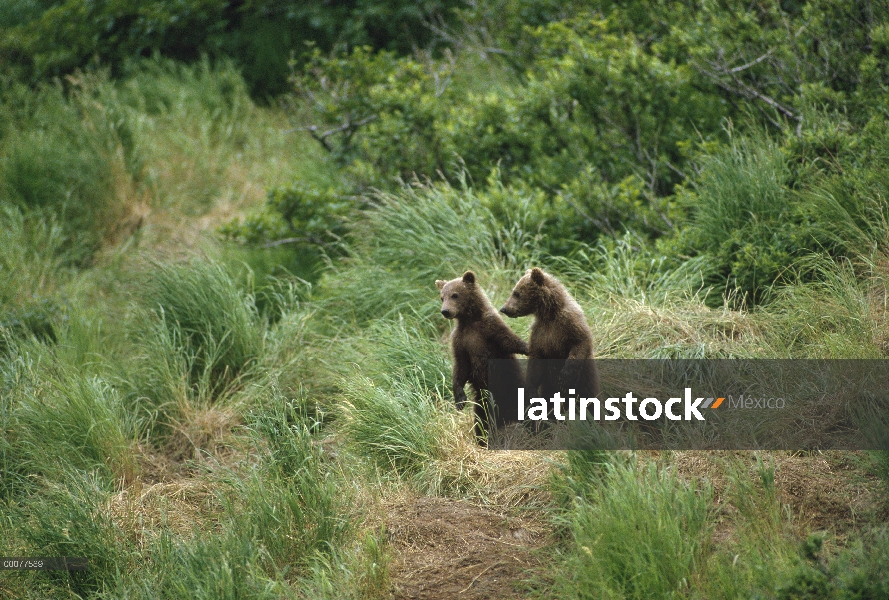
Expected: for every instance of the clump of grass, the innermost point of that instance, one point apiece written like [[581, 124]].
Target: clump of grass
[[375, 562], [62, 163], [683, 327], [760, 549], [223, 565], [833, 315], [406, 241], [65, 420], [638, 306], [207, 315], [397, 424], [30, 265], [66, 518], [299, 490], [410, 343], [628, 268], [636, 533]]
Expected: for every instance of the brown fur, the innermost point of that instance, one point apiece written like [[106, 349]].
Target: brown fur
[[481, 335], [559, 332]]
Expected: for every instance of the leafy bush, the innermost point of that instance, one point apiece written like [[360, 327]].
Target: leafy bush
[[295, 214], [600, 124], [858, 572], [51, 39]]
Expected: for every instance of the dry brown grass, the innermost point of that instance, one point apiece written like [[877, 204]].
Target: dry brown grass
[[626, 328], [200, 433], [183, 507]]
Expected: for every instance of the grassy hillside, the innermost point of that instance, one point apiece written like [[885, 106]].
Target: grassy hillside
[[223, 371]]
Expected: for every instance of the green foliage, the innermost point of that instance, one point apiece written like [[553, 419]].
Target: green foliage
[[636, 534], [377, 114], [760, 206], [43, 40], [845, 322], [294, 510], [30, 260], [298, 214], [566, 130], [67, 519], [207, 315]]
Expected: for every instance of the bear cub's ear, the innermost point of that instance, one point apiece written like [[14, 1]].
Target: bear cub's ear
[[440, 283], [537, 276], [469, 277]]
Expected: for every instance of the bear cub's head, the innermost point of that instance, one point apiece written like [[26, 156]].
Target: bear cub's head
[[459, 297], [527, 295]]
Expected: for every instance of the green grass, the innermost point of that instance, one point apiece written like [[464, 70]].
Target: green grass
[[639, 532], [201, 423], [67, 517], [396, 423], [208, 315]]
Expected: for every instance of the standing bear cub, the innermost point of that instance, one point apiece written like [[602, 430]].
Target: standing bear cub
[[559, 333], [482, 335]]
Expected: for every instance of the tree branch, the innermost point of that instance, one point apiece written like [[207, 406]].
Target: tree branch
[[321, 138]]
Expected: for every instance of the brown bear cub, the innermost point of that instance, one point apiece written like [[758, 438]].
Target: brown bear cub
[[482, 335], [559, 332]]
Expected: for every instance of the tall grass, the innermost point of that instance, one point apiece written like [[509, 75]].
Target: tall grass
[[398, 425], [638, 533], [760, 549], [744, 183], [80, 422], [628, 269], [281, 518], [67, 518], [205, 311], [62, 160], [409, 239], [57, 419], [201, 143], [30, 265], [835, 314]]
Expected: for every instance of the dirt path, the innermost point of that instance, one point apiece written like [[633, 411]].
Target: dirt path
[[446, 548]]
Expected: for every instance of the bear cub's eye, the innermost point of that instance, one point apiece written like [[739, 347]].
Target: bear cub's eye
[[516, 294], [454, 296]]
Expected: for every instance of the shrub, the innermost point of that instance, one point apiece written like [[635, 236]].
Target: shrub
[[295, 214], [43, 40]]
